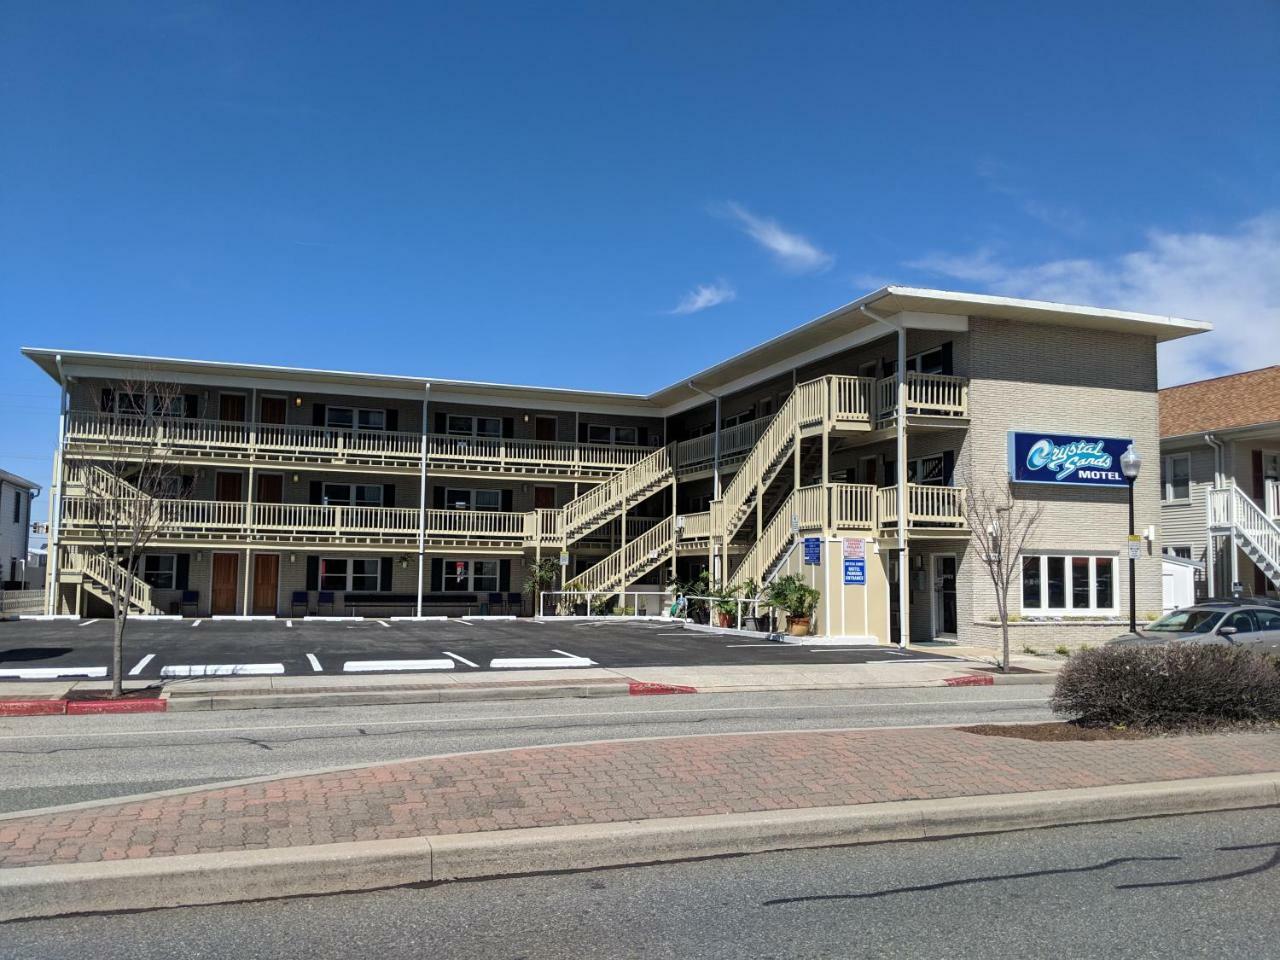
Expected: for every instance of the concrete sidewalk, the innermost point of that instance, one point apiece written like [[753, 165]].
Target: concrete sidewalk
[[600, 803], [253, 692]]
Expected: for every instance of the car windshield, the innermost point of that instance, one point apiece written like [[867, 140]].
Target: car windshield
[[1186, 621]]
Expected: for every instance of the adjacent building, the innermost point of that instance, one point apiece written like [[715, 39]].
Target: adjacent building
[[16, 495], [1220, 480], [843, 450]]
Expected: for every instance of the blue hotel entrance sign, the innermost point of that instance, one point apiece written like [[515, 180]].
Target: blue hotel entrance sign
[[1058, 458]]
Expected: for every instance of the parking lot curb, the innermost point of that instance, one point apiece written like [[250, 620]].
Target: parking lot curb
[[47, 891]]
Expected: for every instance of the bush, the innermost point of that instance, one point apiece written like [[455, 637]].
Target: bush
[[1178, 685]]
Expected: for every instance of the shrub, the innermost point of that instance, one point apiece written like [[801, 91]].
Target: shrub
[[1176, 685], [1062, 650]]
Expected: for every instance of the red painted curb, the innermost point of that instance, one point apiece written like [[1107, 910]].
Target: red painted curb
[[969, 681], [117, 706], [658, 689], [32, 708]]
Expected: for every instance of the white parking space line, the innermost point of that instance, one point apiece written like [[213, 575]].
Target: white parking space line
[[369, 666], [461, 659], [288, 623], [315, 664], [137, 667], [467, 624], [384, 623], [53, 673], [86, 623], [563, 660], [221, 669], [196, 624]]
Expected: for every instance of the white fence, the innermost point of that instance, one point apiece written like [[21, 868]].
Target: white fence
[[641, 603]]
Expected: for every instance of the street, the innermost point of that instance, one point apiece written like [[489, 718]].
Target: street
[[57, 760], [1189, 886]]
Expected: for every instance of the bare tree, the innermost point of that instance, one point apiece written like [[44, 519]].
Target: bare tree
[[134, 488], [1002, 525]]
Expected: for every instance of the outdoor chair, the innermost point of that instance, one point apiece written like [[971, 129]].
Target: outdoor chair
[[324, 598], [190, 598], [300, 599]]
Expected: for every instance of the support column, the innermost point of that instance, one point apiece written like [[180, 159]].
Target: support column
[[904, 564], [55, 494], [248, 564], [422, 498], [1210, 584]]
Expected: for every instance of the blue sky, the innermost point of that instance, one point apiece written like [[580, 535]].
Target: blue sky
[[609, 195]]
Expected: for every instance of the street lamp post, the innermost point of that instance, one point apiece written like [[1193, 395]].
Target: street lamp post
[[1130, 464]]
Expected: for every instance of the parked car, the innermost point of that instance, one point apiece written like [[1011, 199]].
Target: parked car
[[1251, 621]]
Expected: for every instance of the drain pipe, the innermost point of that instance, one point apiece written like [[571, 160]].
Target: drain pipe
[[55, 498], [904, 593]]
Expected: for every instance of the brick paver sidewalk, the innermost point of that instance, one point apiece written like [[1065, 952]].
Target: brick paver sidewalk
[[605, 782]]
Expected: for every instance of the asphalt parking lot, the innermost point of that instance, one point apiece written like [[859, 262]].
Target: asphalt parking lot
[[173, 649]]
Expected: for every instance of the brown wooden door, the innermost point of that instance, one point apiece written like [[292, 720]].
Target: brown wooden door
[[231, 407], [272, 409], [226, 568], [266, 584], [270, 488], [228, 486], [544, 498], [544, 428]]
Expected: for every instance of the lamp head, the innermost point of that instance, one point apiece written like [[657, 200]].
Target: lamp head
[[1130, 463]]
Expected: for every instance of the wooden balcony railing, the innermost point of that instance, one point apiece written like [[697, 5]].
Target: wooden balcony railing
[[927, 506], [853, 506], [281, 441], [928, 394], [694, 526]]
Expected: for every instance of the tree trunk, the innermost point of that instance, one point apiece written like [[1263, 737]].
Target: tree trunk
[[117, 650]]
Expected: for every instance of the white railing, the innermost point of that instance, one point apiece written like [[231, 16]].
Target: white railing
[[634, 560], [1231, 508], [853, 506], [309, 441], [803, 510], [927, 505], [734, 442], [852, 398], [928, 394], [606, 500], [697, 526], [1272, 498], [298, 520], [135, 591]]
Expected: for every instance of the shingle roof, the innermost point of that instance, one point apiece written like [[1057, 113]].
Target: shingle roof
[[1237, 400]]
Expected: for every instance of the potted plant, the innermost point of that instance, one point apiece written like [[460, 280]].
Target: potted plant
[[725, 605], [540, 577], [796, 599]]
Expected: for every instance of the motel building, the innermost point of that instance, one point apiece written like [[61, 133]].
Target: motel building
[[840, 450]]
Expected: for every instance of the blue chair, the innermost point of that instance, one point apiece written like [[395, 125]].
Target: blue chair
[[495, 601], [300, 599], [515, 602], [322, 598], [190, 598]]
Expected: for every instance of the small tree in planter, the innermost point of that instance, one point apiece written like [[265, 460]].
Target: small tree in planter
[[796, 599], [540, 576]]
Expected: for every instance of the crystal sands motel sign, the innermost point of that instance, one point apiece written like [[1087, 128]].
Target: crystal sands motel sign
[[1057, 458]]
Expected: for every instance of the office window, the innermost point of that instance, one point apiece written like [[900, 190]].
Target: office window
[[347, 575], [460, 499], [458, 425], [471, 576], [1175, 477], [353, 495], [159, 570], [364, 574], [1068, 585], [333, 574]]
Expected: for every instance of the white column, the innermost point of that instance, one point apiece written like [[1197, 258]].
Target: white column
[[904, 565], [55, 493], [422, 497]]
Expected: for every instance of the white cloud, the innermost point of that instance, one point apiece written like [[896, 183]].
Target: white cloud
[[1231, 279], [705, 295], [794, 252]]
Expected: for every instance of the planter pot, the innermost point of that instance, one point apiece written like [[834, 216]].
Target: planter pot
[[724, 619], [798, 626]]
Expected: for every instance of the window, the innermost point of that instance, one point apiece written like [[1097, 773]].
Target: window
[[471, 576], [1186, 621], [1175, 477], [160, 570], [868, 369], [1242, 621], [1062, 585], [1180, 551], [926, 470], [1267, 619], [457, 425], [344, 418], [600, 433], [927, 361], [17, 506], [353, 495], [766, 407], [455, 499], [746, 416], [340, 574]]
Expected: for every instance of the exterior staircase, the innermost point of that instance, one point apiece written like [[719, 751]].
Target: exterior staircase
[[99, 575], [649, 550], [605, 501], [1233, 511], [761, 562]]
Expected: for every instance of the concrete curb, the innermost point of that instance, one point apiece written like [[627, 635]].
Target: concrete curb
[[31, 892]]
